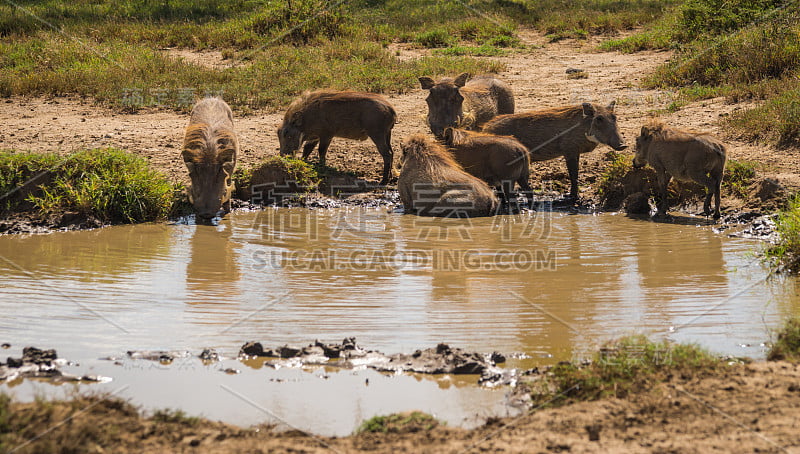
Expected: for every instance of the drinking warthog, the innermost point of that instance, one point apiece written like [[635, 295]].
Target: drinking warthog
[[317, 117], [209, 152], [500, 161], [485, 96], [433, 184], [686, 156], [562, 131]]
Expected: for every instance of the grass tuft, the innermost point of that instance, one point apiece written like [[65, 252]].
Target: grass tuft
[[787, 346], [787, 252], [109, 184], [739, 177], [628, 365], [399, 423]]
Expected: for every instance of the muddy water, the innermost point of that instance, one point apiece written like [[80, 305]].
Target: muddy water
[[549, 286]]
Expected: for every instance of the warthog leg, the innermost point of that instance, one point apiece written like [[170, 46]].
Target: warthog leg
[[712, 189], [308, 148], [663, 182], [384, 144], [527, 191], [324, 143], [572, 169]]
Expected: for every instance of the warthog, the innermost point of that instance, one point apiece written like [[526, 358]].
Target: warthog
[[500, 161], [562, 131], [686, 156], [317, 117], [433, 184], [485, 96], [209, 152]]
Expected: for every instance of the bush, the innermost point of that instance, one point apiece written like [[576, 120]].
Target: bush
[[739, 176], [787, 252], [109, 184]]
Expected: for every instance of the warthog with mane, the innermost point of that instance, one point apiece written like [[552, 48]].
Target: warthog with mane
[[562, 131], [500, 161], [433, 184], [209, 152], [458, 103], [319, 116], [683, 155]]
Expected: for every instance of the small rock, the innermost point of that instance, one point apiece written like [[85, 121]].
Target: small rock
[[637, 203], [288, 352], [252, 349], [594, 431], [497, 358], [209, 354]]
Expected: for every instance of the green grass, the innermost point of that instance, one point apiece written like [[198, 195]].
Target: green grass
[[787, 346], [306, 175], [109, 184], [739, 177], [628, 365], [484, 50], [114, 51], [610, 180], [787, 252], [399, 423], [740, 49]]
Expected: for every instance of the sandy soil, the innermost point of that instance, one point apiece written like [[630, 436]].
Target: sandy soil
[[745, 409], [537, 75]]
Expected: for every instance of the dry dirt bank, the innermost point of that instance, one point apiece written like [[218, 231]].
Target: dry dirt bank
[[746, 409]]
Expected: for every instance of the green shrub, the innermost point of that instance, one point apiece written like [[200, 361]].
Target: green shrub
[[777, 120], [787, 252], [107, 183], [739, 177]]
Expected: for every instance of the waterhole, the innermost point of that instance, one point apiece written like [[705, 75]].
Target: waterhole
[[539, 287]]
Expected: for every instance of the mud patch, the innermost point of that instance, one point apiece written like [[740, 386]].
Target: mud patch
[[441, 359], [41, 364]]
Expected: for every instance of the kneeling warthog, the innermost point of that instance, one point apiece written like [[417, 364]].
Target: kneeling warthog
[[500, 161], [432, 184], [458, 103], [209, 152], [684, 155], [317, 117], [562, 131]]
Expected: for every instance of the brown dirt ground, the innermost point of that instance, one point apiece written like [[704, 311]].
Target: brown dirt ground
[[537, 75], [744, 409]]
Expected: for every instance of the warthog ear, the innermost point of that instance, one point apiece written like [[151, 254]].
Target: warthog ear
[[588, 109], [461, 80], [426, 82], [611, 106], [645, 132]]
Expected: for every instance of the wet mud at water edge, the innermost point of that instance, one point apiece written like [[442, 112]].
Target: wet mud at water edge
[[538, 288]]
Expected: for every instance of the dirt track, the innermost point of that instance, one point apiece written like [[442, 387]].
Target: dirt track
[[537, 75]]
